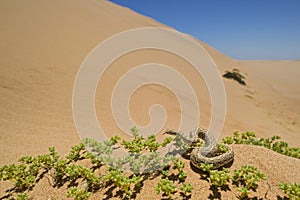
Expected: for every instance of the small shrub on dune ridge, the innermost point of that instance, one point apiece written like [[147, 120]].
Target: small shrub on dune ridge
[[235, 75]]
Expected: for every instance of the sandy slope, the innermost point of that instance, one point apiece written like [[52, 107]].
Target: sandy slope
[[42, 47], [272, 94], [43, 43]]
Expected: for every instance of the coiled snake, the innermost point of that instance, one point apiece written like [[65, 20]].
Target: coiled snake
[[209, 153]]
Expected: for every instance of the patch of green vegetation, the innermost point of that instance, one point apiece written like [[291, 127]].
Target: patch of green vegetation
[[22, 196], [247, 178], [125, 183], [78, 194], [291, 190], [165, 186], [270, 143], [186, 190], [85, 179]]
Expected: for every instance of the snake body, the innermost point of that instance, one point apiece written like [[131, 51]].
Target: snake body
[[209, 153]]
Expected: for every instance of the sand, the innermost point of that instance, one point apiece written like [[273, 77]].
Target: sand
[[43, 44]]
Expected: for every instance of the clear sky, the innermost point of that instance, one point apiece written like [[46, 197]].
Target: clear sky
[[242, 29]]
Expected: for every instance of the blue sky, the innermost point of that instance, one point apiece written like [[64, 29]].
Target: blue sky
[[242, 29]]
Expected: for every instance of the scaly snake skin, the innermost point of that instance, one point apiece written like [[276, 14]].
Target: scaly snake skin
[[209, 153]]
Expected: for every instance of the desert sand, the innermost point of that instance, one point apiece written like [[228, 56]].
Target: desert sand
[[43, 44]]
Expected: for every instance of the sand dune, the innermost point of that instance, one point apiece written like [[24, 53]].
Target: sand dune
[[43, 43]]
